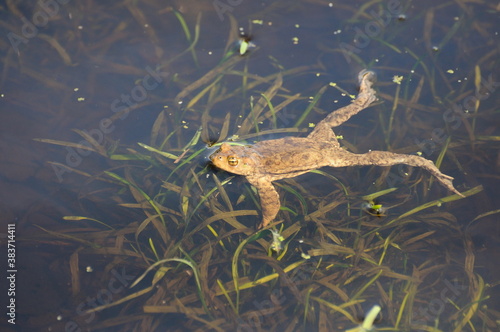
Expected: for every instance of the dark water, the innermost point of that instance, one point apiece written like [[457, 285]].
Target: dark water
[[109, 70]]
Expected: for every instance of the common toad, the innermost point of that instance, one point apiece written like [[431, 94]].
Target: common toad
[[271, 160]]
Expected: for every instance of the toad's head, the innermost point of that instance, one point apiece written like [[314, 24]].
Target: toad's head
[[235, 159]]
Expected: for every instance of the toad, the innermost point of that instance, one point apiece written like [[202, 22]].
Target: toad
[[272, 160]]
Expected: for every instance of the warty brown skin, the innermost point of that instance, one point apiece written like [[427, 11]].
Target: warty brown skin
[[268, 161]]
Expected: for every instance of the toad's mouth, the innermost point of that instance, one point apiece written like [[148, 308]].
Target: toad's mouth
[[212, 156]]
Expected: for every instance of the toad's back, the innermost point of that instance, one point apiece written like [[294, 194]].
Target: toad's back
[[290, 156]]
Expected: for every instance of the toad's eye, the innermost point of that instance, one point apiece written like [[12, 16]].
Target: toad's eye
[[232, 160]]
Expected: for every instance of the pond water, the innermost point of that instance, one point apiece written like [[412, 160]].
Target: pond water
[[114, 220]]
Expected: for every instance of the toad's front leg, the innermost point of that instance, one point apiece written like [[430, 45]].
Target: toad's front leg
[[343, 158], [269, 199]]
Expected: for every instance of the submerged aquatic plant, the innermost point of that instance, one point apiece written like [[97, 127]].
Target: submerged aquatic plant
[[187, 230]]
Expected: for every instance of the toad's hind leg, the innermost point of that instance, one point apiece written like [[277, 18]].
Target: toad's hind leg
[[365, 97], [383, 158]]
